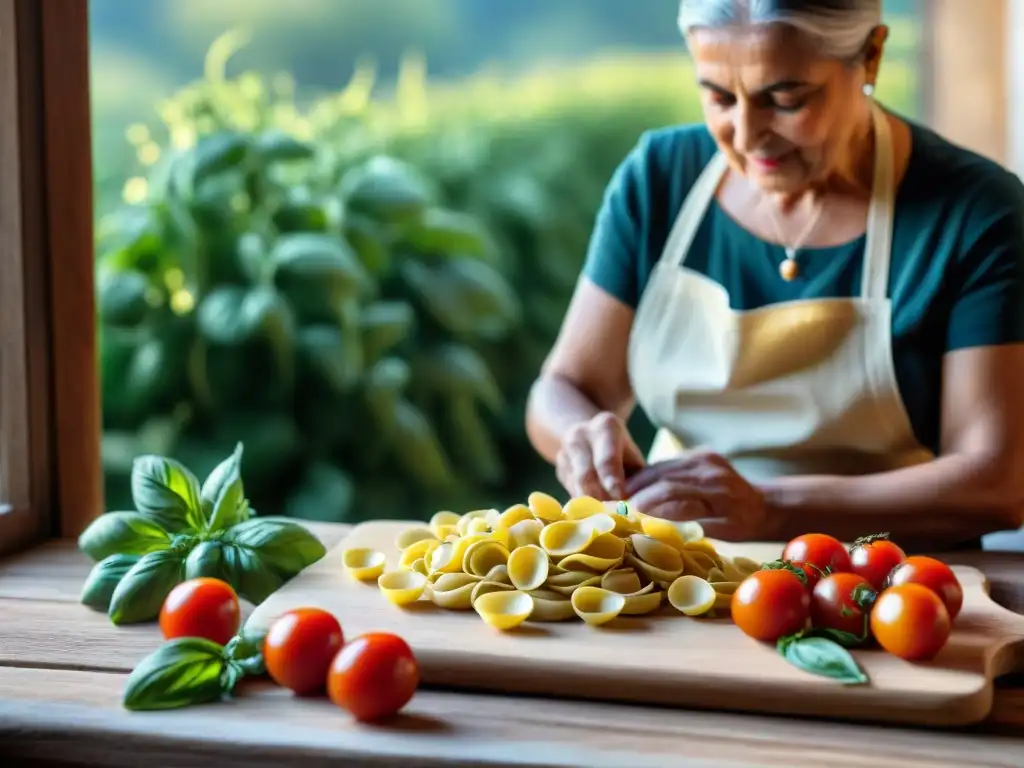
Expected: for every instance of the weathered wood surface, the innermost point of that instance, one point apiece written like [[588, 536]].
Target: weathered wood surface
[[76, 716], [664, 658], [63, 668]]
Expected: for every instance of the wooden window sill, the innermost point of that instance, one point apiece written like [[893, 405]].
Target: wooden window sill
[[63, 668]]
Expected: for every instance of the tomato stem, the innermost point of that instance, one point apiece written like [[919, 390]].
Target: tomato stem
[[822, 572], [863, 541], [864, 596], [785, 565]]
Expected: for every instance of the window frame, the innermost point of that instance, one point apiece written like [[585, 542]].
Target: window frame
[[968, 73], [51, 477], [50, 467], [1015, 75]]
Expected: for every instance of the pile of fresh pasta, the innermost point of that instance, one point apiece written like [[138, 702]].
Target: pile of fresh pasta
[[542, 561]]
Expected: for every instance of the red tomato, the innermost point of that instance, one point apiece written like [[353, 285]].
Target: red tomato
[[875, 559], [842, 601], [934, 574], [202, 607], [373, 676], [818, 549], [299, 648], [770, 604], [911, 622]]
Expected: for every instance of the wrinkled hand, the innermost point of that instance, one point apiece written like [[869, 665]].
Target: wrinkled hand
[[700, 486], [596, 458]]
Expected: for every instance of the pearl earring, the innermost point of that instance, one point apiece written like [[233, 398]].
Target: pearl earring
[[869, 89]]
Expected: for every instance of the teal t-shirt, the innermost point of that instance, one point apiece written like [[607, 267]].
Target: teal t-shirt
[[957, 267]]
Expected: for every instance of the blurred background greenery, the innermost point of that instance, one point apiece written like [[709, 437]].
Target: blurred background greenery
[[345, 232]]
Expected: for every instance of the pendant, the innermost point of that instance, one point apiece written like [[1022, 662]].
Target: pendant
[[789, 269]]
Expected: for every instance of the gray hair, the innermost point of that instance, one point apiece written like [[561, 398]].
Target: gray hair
[[840, 28]]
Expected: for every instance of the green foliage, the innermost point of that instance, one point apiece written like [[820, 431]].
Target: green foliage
[[328, 311], [362, 291], [536, 187]]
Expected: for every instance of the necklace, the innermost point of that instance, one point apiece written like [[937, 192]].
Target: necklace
[[789, 268]]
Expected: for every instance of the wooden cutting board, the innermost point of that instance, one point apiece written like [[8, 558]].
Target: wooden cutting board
[[665, 658]]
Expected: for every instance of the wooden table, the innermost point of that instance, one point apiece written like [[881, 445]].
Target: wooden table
[[63, 667]]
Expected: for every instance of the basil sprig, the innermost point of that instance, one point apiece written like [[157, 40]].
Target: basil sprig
[[183, 671], [180, 529], [824, 652], [192, 670]]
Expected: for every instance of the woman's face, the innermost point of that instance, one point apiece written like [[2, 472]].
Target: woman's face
[[785, 116]]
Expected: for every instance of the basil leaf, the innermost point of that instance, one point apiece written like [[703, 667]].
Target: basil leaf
[[141, 592], [246, 571], [104, 578], [285, 546], [276, 146], [122, 533], [206, 559], [166, 492], [216, 153], [222, 494], [183, 671], [821, 656]]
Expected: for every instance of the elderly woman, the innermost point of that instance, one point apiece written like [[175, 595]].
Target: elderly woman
[[819, 305]]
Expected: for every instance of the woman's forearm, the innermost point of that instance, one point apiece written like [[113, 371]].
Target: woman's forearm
[[554, 406], [953, 498]]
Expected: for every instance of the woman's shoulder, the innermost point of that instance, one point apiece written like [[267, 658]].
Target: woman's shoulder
[[656, 175], [948, 175], [962, 237], [671, 155], [640, 203]]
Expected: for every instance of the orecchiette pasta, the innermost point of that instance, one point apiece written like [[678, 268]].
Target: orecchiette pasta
[[542, 561]]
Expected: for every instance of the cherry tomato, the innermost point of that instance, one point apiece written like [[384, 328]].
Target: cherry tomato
[[842, 601], [874, 560], [934, 574], [770, 604], [201, 607], [299, 648], [373, 676], [818, 549], [910, 621]]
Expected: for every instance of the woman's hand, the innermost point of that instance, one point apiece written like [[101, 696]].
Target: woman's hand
[[701, 486], [597, 456]]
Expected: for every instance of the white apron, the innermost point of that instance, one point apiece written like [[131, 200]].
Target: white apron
[[799, 387]]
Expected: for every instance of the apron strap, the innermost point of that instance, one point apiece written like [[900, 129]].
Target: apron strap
[[692, 213], [878, 244]]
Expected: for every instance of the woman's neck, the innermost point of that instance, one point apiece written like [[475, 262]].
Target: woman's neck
[[852, 175], [854, 172]]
